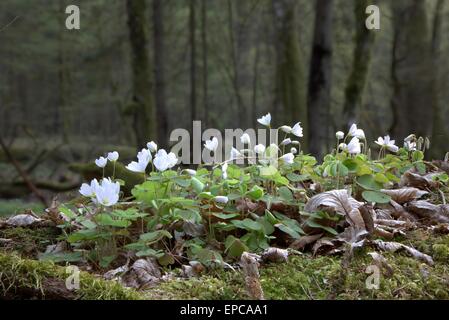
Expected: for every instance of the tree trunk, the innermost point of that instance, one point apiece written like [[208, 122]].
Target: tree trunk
[[364, 41], [205, 62], [291, 82], [412, 64], [142, 108], [159, 64], [320, 78], [439, 130], [192, 32]]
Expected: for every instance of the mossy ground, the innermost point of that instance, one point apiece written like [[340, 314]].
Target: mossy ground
[[303, 277]]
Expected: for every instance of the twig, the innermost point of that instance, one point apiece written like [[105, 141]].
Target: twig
[[22, 173]]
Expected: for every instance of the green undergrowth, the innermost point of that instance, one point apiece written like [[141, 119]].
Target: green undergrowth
[[303, 277], [11, 207], [18, 275]]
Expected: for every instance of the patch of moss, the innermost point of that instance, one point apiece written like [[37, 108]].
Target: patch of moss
[[29, 241], [19, 275]]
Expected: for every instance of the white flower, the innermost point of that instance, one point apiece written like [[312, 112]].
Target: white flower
[[410, 137], [354, 146], [297, 130], [107, 194], [339, 135], [101, 162], [265, 120], [385, 142], [212, 144], [113, 156], [354, 132], [286, 142], [286, 129], [245, 139], [89, 190], [288, 158], [163, 161], [143, 158], [235, 154], [221, 199], [152, 146], [259, 149], [224, 170], [343, 146], [190, 172], [294, 150], [410, 146]]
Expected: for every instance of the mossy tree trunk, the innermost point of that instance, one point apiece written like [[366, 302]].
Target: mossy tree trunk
[[364, 41], [291, 82], [142, 109], [412, 60], [320, 77]]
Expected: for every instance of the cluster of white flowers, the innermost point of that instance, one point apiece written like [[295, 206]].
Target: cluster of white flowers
[[105, 193], [102, 161], [162, 160], [356, 134]]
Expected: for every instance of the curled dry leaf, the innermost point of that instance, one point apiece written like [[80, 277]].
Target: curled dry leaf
[[353, 236], [194, 269], [411, 179], [22, 220], [143, 273], [324, 244], [250, 266], [337, 201], [382, 263], [116, 273], [400, 213], [275, 255], [426, 210], [404, 195], [304, 241], [395, 246]]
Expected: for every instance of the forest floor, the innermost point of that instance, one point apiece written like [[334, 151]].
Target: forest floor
[[304, 276]]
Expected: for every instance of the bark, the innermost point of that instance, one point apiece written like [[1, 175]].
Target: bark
[[159, 75], [364, 41], [412, 97], [291, 87], [192, 33], [142, 108], [320, 77], [205, 60], [439, 130]]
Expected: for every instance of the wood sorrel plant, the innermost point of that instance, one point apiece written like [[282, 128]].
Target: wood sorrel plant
[[222, 209]]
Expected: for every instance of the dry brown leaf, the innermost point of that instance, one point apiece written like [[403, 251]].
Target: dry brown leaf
[[354, 236], [143, 273], [399, 212], [22, 220], [404, 195], [250, 268], [275, 255], [337, 201], [382, 263], [425, 209], [411, 179], [304, 241], [395, 246], [323, 243]]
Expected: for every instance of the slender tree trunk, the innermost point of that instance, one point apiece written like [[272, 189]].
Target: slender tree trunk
[[364, 41], [412, 98], [205, 60], [320, 78], [440, 132], [142, 108], [291, 82], [192, 32], [159, 64]]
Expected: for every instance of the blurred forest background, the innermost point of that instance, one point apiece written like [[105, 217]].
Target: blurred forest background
[[138, 69]]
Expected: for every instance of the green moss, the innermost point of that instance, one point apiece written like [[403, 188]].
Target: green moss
[[18, 275], [11, 207], [29, 241]]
